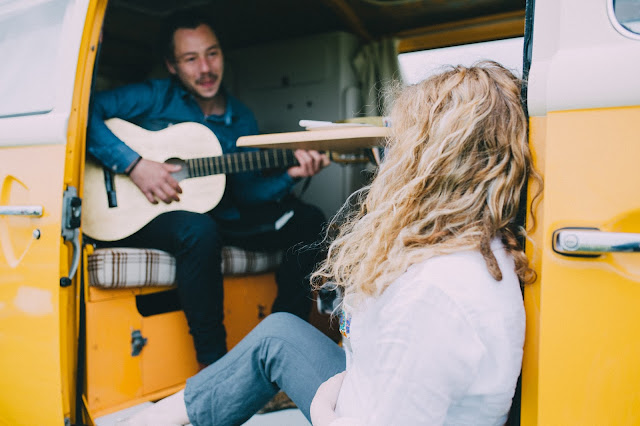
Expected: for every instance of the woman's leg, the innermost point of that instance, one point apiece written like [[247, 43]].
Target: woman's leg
[[282, 352]]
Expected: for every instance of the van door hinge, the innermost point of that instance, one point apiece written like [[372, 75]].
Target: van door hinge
[[71, 216]]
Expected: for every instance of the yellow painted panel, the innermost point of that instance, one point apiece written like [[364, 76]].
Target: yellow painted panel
[[247, 300], [113, 375], [73, 172], [169, 357], [29, 287], [96, 294], [116, 380], [587, 313], [529, 399]]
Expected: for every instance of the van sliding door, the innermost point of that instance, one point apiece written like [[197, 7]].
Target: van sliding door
[[582, 351], [40, 160]]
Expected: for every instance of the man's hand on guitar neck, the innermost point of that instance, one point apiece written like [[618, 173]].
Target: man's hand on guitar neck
[[311, 162], [155, 181]]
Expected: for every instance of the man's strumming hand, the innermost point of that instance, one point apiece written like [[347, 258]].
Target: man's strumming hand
[[155, 181]]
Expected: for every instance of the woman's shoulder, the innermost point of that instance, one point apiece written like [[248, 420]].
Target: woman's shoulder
[[466, 267], [462, 278]]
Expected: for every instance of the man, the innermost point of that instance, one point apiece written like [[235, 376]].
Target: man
[[194, 93]]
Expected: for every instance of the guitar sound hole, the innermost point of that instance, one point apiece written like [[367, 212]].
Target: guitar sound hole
[[181, 174]]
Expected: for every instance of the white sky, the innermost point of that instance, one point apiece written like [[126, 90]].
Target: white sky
[[417, 66]]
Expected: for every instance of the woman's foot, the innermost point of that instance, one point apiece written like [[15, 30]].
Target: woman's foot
[[170, 411]]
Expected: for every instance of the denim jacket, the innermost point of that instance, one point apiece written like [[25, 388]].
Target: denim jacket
[[156, 104]]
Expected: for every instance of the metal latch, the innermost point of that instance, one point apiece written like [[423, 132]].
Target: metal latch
[[71, 217], [137, 342]]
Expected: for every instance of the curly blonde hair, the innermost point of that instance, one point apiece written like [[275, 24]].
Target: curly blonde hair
[[456, 164]]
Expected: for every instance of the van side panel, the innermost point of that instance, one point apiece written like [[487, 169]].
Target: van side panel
[[29, 287], [39, 159], [581, 356], [530, 360], [581, 353]]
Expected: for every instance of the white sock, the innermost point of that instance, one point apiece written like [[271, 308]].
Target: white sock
[[170, 411]]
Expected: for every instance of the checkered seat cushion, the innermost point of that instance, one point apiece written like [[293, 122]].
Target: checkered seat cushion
[[133, 267]]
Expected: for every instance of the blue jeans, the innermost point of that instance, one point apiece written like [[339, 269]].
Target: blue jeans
[[282, 352]]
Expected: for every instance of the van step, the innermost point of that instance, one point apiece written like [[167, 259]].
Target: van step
[[290, 417]]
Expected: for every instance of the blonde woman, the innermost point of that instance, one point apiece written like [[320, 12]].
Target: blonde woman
[[430, 268]]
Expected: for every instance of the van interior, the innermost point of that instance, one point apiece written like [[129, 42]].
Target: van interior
[[288, 60]]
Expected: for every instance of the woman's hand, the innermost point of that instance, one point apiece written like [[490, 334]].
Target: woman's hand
[[324, 402]]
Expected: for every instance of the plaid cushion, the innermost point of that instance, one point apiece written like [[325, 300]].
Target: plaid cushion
[[236, 261], [134, 267]]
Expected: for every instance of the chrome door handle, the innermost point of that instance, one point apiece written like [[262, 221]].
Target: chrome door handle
[[593, 242], [71, 214], [21, 211]]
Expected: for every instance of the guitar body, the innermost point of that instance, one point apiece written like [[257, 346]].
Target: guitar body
[[199, 194]]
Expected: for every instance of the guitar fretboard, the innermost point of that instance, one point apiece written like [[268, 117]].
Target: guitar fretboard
[[241, 162]]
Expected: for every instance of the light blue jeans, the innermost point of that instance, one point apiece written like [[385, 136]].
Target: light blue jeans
[[282, 352]]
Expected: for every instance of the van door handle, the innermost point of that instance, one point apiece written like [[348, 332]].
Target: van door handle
[[71, 214], [592, 242], [21, 211]]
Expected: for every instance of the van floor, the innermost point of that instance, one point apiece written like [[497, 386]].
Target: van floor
[[289, 417]]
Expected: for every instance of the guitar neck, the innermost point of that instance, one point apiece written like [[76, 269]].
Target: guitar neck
[[239, 162]]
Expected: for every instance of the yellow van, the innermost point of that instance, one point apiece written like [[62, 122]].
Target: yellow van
[[71, 352]]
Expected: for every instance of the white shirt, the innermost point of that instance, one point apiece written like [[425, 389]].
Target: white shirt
[[442, 345]]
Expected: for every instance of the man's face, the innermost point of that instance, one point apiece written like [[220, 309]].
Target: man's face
[[198, 61]]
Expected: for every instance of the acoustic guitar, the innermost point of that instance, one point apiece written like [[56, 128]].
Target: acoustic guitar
[[202, 176]]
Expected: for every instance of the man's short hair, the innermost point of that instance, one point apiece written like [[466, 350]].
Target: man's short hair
[[182, 19]]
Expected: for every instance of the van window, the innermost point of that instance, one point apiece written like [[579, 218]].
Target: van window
[[627, 15], [416, 66], [30, 39]]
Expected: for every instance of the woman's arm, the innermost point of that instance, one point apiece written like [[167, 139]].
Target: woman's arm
[[426, 355]]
